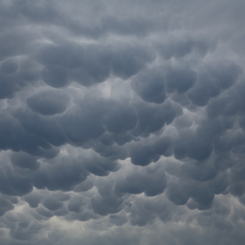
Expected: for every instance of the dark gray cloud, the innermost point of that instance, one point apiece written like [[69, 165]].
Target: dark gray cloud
[[122, 122], [48, 102], [150, 86], [88, 64]]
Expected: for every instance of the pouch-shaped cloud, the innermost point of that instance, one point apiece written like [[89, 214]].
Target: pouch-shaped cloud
[[180, 79], [9, 66], [48, 102], [150, 86], [88, 64]]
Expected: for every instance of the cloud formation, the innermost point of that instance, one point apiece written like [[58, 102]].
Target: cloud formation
[[122, 122]]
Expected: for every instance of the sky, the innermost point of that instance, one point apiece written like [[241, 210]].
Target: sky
[[122, 122]]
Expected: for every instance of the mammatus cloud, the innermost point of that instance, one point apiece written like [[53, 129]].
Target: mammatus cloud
[[122, 122]]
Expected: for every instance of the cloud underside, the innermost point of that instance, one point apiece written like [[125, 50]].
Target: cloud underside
[[122, 122]]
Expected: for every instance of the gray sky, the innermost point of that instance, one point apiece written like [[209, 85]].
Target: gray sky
[[122, 122]]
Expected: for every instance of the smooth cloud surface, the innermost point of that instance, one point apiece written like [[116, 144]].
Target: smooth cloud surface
[[122, 122]]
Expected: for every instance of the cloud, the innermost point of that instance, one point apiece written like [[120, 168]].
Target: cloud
[[48, 102], [122, 122], [150, 86]]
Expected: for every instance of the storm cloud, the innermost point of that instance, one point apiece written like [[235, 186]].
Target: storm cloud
[[122, 122]]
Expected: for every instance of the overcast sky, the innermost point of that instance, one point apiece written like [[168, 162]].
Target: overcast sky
[[122, 122]]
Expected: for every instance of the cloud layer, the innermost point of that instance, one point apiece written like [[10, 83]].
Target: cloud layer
[[122, 122]]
